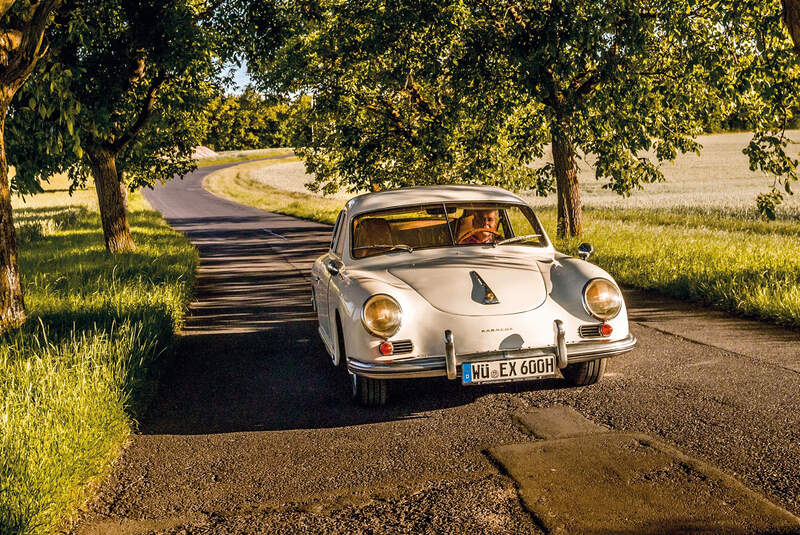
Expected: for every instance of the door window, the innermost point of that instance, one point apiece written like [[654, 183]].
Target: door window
[[336, 238]]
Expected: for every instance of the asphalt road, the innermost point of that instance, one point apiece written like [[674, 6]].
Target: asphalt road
[[252, 430]]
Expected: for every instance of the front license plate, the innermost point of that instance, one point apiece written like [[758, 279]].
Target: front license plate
[[497, 371]]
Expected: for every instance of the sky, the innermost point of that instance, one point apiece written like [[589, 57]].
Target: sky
[[240, 77]]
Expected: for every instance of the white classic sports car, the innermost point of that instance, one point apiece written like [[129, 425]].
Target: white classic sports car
[[462, 282]]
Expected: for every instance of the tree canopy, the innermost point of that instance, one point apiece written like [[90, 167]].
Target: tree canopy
[[119, 97], [388, 110], [464, 90], [132, 78], [766, 90]]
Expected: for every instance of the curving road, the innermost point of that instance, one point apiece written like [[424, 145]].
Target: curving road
[[252, 431]]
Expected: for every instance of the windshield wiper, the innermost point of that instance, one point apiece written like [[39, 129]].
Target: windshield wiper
[[515, 239], [399, 246]]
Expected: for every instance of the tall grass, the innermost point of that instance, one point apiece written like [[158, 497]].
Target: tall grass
[[75, 376], [708, 253], [731, 264]]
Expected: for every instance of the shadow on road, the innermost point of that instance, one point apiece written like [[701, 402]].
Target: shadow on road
[[653, 309], [249, 357]]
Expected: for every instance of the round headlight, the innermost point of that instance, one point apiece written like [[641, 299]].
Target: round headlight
[[381, 315], [602, 299]]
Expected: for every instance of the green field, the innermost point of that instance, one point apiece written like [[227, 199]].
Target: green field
[[74, 378], [696, 236]]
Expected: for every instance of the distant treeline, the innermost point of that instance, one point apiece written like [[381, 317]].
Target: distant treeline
[[251, 120]]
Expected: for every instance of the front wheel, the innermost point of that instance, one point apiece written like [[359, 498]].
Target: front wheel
[[369, 392], [585, 373]]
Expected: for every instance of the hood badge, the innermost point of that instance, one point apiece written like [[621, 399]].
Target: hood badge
[[481, 291]]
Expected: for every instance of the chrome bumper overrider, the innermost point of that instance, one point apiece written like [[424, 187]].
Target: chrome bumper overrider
[[447, 365]]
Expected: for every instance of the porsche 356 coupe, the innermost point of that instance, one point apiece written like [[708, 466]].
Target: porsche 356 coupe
[[462, 282]]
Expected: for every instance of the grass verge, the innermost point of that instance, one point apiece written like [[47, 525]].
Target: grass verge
[[234, 183], [234, 156], [74, 377], [743, 265]]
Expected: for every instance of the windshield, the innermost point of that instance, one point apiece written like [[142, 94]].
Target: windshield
[[445, 225]]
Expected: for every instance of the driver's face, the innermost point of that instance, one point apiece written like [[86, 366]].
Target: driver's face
[[486, 219]]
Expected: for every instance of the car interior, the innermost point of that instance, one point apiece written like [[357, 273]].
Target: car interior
[[421, 227]]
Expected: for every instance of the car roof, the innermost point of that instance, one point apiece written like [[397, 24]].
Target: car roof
[[370, 202]]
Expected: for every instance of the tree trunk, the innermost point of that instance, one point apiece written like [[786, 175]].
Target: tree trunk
[[12, 305], [123, 190], [791, 17], [570, 210], [116, 230]]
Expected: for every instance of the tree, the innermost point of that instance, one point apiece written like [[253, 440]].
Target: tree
[[457, 90], [120, 99], [22, 26], [791, 17], [766, 91], [629, 83], [450, 91], [387, 109]]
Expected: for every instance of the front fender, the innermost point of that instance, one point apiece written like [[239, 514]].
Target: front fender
[[348, 293], [566, 279]]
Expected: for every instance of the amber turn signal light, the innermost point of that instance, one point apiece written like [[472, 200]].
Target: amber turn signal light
[[386, 348], [606, 329]]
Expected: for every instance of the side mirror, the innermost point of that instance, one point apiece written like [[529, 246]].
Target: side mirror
[[585, 250], [333, 267]]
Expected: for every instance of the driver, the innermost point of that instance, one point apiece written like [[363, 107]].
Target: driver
[[483, 219]]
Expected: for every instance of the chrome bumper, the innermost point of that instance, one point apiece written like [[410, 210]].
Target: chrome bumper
[[447, 365]]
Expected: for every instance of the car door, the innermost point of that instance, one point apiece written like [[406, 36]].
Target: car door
[[334, 280], [322, 278]]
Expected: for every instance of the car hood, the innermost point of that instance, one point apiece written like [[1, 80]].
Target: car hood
[[466, 287]]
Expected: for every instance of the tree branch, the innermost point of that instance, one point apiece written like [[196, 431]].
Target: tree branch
[[144, 114], [422, 104], [586, 87], [22, 58], [791, 17], [387, 111], [10, 41], [554, 97], [608, 62]]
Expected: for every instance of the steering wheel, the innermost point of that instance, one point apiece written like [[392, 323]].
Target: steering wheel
[[474, 231]]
